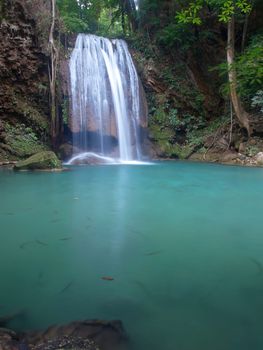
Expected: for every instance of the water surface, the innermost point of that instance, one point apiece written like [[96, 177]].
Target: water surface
[[182, 241]]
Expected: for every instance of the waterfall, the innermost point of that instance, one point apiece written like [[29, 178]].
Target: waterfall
[[105, 99]]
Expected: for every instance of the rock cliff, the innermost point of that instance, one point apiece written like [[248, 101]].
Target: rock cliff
[[24, 94]]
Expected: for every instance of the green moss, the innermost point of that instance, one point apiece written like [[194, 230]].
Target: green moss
[[22, 140], [41, 160], [31, 115], [65, 111]]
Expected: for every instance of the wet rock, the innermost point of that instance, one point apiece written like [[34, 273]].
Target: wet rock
[[241, 157], [66, 150], [67, 342], [83, 335], [93, 335], [8, 162], [242, 147], [259, 158], [8, 340], [42, 161], [229, 157]]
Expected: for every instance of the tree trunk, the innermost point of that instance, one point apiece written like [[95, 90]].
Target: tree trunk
[[53, 74], [241, 114], [244, 34]]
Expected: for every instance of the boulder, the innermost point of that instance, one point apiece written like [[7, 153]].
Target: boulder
[[66, 150], [45, 160], [228, 157], [259, 158]]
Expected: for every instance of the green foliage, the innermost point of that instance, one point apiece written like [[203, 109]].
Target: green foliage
[[143, 46], [251, 150], [249, 67], [74, 24], [148, 13], [191, 14], [108, 25], [175, 35], [189, 123], [249, 70], [79, 15], [196, 131], [167, 117], [160, 117], [257, 100], [65, 111], [103, 17], [229, 7], [22, 140], [225, 9], [197, 136]]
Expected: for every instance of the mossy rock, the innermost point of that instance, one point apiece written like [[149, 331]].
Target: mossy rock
[[40, 161]]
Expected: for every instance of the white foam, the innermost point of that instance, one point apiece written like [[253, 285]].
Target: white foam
[[86, 158]]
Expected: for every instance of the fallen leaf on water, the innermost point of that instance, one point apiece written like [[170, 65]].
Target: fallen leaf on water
[[153, 253], [107, 278]]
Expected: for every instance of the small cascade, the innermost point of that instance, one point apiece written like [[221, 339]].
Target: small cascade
[[106, 100]]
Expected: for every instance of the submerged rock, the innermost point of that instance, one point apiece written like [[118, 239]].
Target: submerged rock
[[43, 161], [85, 335]]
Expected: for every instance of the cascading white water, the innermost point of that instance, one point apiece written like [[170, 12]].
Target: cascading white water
[[105, 99]]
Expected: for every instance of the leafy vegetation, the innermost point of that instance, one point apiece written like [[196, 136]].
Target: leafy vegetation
[[249, 68], [103, 17], [22, 141], [257, 100]]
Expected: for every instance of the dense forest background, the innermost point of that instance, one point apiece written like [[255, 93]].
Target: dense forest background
[[200, 63]]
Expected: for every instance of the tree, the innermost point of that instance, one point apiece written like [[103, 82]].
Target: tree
[[227, 10], [87, 15]]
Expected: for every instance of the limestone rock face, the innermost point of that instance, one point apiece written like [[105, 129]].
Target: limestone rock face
[[42, 160], [24, 101]]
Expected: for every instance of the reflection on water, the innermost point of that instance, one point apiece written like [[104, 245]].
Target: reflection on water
[[173, 250]]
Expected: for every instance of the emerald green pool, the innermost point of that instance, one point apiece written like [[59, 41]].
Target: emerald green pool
[[182, 241]]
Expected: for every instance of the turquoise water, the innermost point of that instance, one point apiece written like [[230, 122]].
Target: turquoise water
[[183, 242]]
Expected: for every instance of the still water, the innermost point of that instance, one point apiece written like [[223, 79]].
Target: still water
[[183, 243]]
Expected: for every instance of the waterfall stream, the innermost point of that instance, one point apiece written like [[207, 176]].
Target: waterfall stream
[[105, 99]]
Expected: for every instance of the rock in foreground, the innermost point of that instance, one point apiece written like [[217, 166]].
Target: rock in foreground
[[85, 335], [46, 160]]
